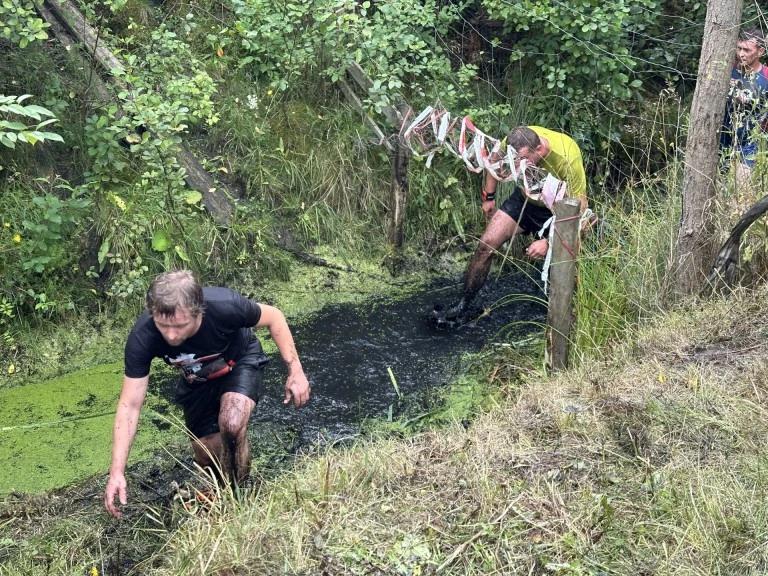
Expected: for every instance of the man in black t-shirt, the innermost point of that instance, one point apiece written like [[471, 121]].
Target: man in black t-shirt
[[206, 333]]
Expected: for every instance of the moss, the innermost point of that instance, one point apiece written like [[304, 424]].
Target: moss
[[56, 432], [346, 279]]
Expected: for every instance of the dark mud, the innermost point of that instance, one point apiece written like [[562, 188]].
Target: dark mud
[[348, 353]]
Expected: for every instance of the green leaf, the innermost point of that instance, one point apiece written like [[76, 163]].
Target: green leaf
[[458, 224], [161, 242], [181, 253], [46, 122], [47, 136], [193, 197], [21, 110], [37, 111]]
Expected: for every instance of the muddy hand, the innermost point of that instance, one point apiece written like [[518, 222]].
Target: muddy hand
[[297, 387], [116, 486], [538, 249]]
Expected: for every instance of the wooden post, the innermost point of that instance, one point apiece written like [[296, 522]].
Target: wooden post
[[399, 191], [562, 282], [400, 160]]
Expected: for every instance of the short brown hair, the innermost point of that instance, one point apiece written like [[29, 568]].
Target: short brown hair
[[753, 35], [523, 137], [173, 290]]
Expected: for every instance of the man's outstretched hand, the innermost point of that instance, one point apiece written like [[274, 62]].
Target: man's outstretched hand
[[116, 486], [297, 389]]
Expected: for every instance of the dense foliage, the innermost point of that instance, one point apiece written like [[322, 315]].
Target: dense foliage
[[251, 88], [21, 24]]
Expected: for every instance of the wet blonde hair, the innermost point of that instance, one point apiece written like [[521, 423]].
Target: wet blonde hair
[[173, 290]]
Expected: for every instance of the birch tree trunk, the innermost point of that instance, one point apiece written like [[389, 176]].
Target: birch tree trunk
[[695, 239]]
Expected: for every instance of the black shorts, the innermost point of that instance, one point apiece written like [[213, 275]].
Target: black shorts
[[532, 218], [201, 400]]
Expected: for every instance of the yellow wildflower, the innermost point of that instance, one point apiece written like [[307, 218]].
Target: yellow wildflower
[[16, 238], [7, 224]]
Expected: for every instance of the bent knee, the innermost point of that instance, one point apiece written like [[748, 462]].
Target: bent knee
[[233, 427]]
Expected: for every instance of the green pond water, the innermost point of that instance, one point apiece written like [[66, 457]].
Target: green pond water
[[56, 432]]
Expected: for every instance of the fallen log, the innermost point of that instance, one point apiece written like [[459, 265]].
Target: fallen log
[[727, 261], [95, 83], [57, 12], [315, 260]]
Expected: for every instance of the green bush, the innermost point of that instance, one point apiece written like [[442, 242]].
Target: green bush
[[41, 245], [21, 26]]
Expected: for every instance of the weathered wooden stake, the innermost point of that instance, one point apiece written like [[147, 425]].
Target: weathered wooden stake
[[396, 217], [400, 160], [562, 282]]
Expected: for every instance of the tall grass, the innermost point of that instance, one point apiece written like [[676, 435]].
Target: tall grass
[[622, 274], [649, 462], [623, 279]]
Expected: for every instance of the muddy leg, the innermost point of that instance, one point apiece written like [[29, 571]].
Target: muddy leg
[[208, 453], [234, 414], [500, 229]]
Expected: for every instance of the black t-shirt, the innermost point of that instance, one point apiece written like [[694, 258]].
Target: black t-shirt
[[224, 335]]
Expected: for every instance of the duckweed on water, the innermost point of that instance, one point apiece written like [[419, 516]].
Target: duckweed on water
[[349, 279], [56, 432]]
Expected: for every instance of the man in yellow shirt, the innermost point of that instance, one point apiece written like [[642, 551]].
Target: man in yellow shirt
[[522, 213]]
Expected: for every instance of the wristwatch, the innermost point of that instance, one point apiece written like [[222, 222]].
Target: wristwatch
[[486, 196]]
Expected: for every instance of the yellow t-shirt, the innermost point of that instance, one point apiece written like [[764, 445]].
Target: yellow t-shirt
[[564, 161]]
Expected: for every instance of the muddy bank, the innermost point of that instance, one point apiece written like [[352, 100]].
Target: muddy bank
[[371, 361], [364, 361]]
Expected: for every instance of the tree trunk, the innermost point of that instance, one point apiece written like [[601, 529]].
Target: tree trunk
[[695, 238], [401, 157], [217, 202]]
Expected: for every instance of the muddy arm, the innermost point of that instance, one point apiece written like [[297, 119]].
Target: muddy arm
[[126, 422], [296, 385]]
